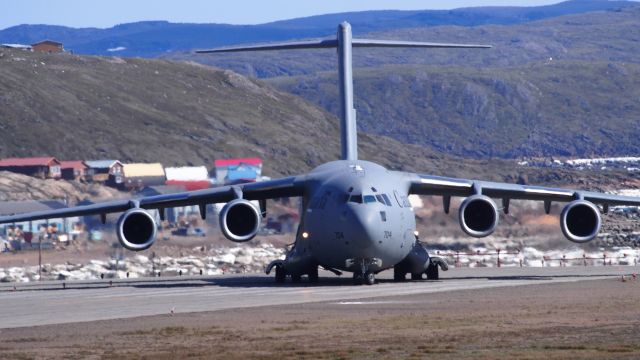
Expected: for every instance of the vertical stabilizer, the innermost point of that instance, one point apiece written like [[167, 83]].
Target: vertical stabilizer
[[345, 43], [348, 129]]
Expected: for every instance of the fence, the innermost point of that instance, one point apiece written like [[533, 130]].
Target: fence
[[517, 257]]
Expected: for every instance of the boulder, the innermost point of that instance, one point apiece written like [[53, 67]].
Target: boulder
[[141, 259], [244, 260]]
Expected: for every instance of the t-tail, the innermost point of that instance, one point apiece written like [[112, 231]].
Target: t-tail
[[344, 42]]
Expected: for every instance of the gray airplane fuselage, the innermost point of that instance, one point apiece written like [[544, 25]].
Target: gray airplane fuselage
[[354, 211]]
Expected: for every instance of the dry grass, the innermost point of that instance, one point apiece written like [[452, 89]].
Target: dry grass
[[589, 319]]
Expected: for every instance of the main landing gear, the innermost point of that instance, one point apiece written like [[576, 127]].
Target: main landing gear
[[432, 271], [281, 274]]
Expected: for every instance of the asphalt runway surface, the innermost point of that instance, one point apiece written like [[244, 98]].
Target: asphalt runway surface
[[47, 303]]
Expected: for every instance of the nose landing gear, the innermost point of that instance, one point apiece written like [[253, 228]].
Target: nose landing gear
[[368, 278], [365, 275]]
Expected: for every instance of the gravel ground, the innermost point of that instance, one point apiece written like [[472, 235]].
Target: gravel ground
[[597, 319]]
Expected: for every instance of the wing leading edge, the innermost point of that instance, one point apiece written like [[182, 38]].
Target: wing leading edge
[[284, 187], [445, 186]]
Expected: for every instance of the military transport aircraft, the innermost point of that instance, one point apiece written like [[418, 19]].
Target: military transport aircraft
[[356, 214]]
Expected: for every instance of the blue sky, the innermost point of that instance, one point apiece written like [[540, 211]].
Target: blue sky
[[101, 13]]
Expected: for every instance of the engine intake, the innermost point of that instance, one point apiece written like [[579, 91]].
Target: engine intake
[[478, 216], [580, 221], [136, 229], [239, 220]]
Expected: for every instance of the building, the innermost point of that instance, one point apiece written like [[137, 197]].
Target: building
[[191, 177], [22, 234], [109, 172], [234, 171], [48, 46], [74, 170], [139, 175], [40, 167]]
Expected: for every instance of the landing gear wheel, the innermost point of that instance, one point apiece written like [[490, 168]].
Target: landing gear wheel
[[313, 275], [369, 278], [399, 275], [297, 278], [281, 274], [357, 279], [416, 276], [432, 271]]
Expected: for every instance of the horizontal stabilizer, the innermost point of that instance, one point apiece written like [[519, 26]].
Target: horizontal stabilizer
[[311, 44], [410, 44], [332, 43]]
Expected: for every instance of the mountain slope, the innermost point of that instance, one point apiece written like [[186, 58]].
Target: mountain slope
[[594, 36], [154, 38], [557, 87], [77, 107], [556, 109]]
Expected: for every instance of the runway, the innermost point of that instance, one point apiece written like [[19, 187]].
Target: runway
[[48, 303]]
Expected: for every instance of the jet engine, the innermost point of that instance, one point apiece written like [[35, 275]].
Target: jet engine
[[136, 229], [580, 221], [239, 220], [478, 216]]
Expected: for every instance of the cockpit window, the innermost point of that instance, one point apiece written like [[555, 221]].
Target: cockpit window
[[369, 199], [356, 199]]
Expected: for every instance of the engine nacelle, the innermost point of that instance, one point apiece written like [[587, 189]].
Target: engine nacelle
[[478, 216], [136, 229], [239, 220], [580, 221]]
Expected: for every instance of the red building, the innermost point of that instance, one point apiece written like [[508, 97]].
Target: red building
[[74, 170], [40, 167], [48, 46]]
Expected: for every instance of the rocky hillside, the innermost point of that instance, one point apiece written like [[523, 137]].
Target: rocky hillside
[[76, 107], [562, 86], [558, 108], [17, 187]]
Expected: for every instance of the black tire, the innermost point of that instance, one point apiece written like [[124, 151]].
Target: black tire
[[416, 276], [432, 272], [281, 274], [313, 276], [369, 278], [357, 279], [399, 275]]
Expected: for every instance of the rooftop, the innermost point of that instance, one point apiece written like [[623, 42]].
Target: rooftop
[[101, 164], [229, 162], [34, 161], [73, 164]]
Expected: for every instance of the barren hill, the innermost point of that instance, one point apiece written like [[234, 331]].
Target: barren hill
[[77, 107], [563, 86], [17, 187]]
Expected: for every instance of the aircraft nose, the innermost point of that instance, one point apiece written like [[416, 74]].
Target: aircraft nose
[[361, 223]]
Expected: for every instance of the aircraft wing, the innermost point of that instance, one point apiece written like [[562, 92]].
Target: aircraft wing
[[445, 186], [284, 187]]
